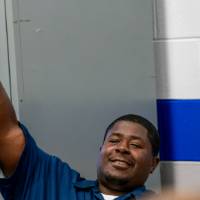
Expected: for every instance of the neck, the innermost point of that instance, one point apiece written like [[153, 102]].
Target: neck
[[110, 189]]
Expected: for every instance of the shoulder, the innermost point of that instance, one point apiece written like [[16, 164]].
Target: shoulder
[[46, 163]]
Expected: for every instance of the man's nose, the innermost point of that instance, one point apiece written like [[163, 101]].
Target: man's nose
[[123, 147]]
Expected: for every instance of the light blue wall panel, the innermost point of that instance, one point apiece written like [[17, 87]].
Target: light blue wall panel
[[84, 63]]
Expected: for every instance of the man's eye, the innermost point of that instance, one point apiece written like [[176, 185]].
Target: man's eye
[[114, 140], [134, 145]]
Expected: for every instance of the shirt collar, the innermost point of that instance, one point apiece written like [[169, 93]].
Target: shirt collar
[[87, 184], [136, 192]]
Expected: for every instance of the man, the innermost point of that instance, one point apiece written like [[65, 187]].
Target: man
[[127, 156]]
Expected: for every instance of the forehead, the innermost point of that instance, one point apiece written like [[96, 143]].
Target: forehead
[[129, 129]]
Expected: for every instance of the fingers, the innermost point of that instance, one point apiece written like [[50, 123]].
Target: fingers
[[7, 113]]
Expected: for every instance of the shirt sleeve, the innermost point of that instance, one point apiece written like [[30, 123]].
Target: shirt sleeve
[[35, 172]]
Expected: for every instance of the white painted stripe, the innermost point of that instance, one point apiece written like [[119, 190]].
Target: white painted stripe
[[176, 18], [180, 175], [178, 69]]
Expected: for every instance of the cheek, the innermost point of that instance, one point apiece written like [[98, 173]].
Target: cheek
[[144, 159], [102, 164], [106, 150], [104, 156]]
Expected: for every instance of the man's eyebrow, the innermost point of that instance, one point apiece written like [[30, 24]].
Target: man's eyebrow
[[115, 134], [134, 137]]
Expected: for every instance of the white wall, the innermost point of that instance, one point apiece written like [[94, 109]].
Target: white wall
[[177, 50]]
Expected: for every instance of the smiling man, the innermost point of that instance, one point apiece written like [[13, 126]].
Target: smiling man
[[127, 156]]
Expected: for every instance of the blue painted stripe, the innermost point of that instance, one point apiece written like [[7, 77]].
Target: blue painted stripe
[[179, 127]]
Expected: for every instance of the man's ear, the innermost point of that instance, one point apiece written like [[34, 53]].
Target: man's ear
[[155, 162]]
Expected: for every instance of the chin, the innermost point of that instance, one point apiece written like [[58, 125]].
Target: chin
[[116, 179], [112, 176]]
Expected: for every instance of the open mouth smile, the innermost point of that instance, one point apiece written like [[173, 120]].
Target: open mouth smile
[[120, 163]]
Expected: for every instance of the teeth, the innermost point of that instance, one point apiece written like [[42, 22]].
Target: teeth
[[121, 163]]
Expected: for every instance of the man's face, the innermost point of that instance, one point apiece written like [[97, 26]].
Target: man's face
[[125, 159]]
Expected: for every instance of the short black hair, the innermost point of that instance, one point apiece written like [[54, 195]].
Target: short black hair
[[152, 132]]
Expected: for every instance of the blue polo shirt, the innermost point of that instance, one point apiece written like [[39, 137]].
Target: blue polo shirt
[[40, 176]]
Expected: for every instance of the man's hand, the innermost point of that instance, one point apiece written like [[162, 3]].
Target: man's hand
[[7, 114], [11, 137]]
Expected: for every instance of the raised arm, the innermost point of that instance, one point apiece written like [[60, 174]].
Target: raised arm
[[12, 140]]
